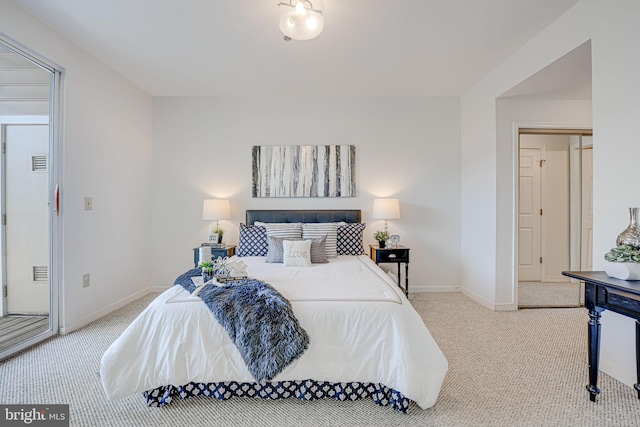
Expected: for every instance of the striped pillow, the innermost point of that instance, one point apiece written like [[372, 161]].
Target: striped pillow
[[329, 229], [289, 231]]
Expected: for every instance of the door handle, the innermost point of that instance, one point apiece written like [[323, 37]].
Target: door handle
[[56, 203]]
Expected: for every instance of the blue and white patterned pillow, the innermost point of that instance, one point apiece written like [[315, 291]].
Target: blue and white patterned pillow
[[350, 239], [329, 229], [253, 241]]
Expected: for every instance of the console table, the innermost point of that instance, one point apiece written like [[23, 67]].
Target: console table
[[601, 293]]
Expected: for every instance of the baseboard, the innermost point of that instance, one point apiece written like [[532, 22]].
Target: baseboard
[[505, 307], [158, 289], [70, 327], [477, 298], [616, 371], [418, 289]]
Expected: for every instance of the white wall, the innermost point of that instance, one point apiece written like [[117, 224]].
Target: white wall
[[614, 30], [406, 147], [106, 155]]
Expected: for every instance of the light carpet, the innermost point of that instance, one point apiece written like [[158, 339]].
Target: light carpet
[[549, 294], [524, 368]]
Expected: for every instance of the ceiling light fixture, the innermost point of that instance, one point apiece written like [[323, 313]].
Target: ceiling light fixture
[[300, 20]]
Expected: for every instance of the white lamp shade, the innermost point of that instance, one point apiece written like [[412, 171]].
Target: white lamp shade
[[386, 209], [214, 209], [304, 21]]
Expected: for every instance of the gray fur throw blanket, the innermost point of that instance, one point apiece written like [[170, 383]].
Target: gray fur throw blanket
[[259, 321]]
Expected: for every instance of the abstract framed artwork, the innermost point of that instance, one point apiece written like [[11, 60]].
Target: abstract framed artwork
[[303, 171]]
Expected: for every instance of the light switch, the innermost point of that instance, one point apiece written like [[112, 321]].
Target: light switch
[[88, 203]]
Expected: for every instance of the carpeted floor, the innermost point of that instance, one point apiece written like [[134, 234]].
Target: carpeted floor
[[524, 368], [549, 294]]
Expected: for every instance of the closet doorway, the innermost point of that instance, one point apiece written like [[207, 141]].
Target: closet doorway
[[555, 215], [29, 231]]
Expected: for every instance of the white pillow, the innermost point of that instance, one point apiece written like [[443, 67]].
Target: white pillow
[[297, 253]]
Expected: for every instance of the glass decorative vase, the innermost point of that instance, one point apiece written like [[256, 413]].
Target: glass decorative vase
[[631, 235]]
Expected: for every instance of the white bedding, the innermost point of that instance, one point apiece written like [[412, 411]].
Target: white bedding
[[361, 328]]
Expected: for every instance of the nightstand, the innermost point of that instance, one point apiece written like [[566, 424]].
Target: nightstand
[[396, 255], [224, 251]]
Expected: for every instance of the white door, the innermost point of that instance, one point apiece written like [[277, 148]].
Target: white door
[[529, 215], [26, 180], [587, 206]]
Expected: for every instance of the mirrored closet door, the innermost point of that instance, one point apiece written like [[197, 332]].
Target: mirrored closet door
[[555, 215]]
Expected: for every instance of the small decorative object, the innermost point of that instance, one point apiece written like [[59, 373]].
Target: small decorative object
[[219, 232], [215, 209], [229, 269], [623, 262], [631, 235], [381, 237], [207, 271], [394, 239]]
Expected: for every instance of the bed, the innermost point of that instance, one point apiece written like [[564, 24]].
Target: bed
[[364, 338]]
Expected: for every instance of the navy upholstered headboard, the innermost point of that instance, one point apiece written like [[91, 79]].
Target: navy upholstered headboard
[[322, 215]]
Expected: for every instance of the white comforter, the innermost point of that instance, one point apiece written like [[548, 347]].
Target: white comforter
[[361, 328]]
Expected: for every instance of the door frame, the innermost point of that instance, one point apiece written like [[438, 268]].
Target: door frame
[[515, 193], [56, 138]]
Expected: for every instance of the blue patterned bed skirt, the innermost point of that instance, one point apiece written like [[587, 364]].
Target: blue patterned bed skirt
[[303, 390]]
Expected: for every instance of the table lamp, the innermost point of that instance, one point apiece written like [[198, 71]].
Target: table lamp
[[215, 209]]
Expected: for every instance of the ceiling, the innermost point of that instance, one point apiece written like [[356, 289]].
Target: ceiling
[[234, 47]]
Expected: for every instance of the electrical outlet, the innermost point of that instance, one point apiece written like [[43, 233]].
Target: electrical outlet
[[88, 203], [86, 280]]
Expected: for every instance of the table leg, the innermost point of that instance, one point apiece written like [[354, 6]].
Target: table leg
[[637, 385], [406, 279], [594, 353]]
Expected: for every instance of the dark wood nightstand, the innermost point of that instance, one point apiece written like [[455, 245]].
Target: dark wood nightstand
[[396, 255], [224, 251]]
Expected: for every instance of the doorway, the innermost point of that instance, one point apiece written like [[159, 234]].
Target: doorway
[[29, 232], [555, 217]]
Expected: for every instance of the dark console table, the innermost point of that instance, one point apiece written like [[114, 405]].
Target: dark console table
[[601, 293]]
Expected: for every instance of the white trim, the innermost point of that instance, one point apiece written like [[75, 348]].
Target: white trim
[[477, 298], [422, 289], [505, 307], [24, 120], [68, 328], [625, 376]]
